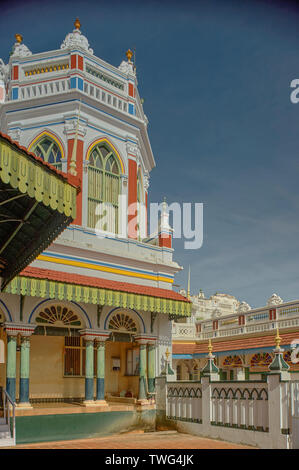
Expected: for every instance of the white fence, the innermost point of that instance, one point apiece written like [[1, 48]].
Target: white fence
[[261, 413]]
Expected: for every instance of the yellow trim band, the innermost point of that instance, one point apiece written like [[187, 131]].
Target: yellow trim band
[[81, 264]]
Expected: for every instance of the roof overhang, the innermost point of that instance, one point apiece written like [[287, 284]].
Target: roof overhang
[[37, 202], [73, 287]]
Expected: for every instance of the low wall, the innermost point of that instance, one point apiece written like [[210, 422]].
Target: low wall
[[43, 428]]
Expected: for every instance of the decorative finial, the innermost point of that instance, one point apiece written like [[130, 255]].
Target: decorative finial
[[129, 55], [210, 347], [167, 353], [77, 23], [277, 339], [19, 38]]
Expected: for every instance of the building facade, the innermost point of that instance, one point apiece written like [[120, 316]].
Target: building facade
[[94, 309], [242, 342]]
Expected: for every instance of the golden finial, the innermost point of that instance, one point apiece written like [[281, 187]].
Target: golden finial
[[188, 288], [129, 55], [167, 354], [77, 23], [277, 339], [210, 347], [19, 38]]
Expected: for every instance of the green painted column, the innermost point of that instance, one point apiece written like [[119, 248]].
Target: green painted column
[[151, 367], [11, 366], [24, 370], [142, 373], [100, 370], [89, 371]]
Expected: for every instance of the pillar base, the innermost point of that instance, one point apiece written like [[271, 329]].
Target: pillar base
[[100, 403], [143, 401], [25, 405], [88, 403]]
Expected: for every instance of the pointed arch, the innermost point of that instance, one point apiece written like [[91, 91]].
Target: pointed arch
[[50, 135], [108, 143]]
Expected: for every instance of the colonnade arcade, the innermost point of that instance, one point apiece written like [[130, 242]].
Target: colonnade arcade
[[117, 360]]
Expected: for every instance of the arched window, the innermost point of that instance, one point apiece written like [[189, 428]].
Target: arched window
[[47, 149], [122, 322], [232, 361], [261, 360], [58, 316], [103, 187]]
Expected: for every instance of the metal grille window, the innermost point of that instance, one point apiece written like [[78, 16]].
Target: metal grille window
[[103, 189], [47, 149], [74, 357]]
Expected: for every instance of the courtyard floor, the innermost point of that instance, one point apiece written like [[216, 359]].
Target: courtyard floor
[[139, 440]]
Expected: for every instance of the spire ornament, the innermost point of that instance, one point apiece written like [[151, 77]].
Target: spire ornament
[[210, 369], [19, 38], [76, 39], [279, 365], [19, 49], [129, 55]]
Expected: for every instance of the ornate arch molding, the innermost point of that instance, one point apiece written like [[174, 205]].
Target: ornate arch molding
[[127, 312], [49, 302], [51, 135], [104, 141], [5, 310]]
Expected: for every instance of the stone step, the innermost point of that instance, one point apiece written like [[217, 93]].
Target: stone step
[[8, 442], [3, 427], [4, 434]]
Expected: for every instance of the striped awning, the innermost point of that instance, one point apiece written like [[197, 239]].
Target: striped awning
[[56, 289]]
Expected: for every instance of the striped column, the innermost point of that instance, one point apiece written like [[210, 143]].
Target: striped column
[[90, 337], [101, 371], [142, 373], [151, 367], [11, 368], [89, 371], [24, 371], [25, 331]]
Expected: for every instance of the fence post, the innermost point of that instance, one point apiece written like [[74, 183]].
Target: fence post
[[161, 398], [206, 401]]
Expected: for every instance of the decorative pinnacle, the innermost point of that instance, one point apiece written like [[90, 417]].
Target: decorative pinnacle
[[19, 38], [77, 23], [210, 347], [129, 55], [277, 339], [167, 354]]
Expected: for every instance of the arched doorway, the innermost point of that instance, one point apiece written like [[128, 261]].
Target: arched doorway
[[57, 357]]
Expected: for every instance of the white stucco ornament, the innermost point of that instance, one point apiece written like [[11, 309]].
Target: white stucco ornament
[[19, 49], [76, 39], [3, 70], [243, 307], [274, 300], [127, 66], [216, 313]]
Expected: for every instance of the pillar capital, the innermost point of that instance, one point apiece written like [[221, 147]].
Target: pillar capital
[[94, 335], [145, 339], [24, 329]]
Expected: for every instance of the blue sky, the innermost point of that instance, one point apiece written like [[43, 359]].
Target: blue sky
[[215, 76]]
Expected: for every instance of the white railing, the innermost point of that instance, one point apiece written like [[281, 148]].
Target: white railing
[[9, 411], [184, 401], [241, 405], [44, 89], [185, 331]]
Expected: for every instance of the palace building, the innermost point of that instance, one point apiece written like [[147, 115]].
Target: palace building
[[243, 339], [86, 318]]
